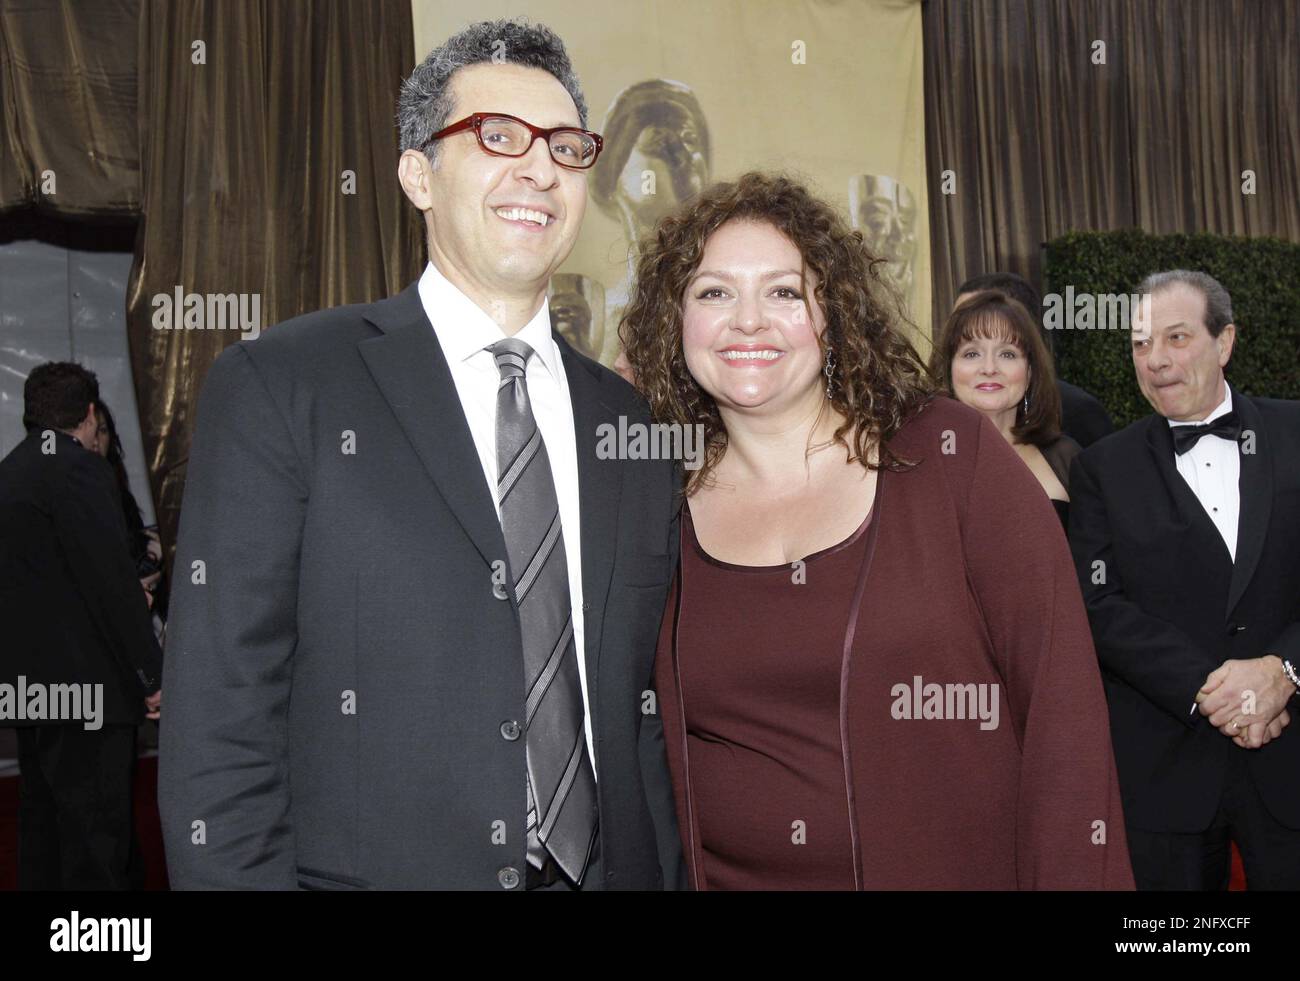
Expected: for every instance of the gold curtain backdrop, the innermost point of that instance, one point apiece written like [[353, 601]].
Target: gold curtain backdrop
[[1044, 132], [691, 93], [268, 172], [68, 93]]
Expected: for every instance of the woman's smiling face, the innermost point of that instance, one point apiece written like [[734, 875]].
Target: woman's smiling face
[[747, 333]]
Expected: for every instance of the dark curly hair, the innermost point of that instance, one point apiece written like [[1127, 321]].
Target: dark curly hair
[[57, 395], [880, 381]]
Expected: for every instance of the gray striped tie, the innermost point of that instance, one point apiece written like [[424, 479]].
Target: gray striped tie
[[562, 812]]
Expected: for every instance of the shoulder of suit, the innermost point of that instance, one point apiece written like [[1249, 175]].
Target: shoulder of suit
[[1287, 410], [334, 325], [70, 458], [320, 339], [614, 389], [1121, 443]]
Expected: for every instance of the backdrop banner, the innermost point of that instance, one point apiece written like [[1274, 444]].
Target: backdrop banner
[[688, 93]]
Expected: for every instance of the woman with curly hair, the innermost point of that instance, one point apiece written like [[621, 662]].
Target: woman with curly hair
[[875, 670]]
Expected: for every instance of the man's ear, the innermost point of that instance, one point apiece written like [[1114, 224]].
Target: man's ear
[[1226, 339], [414, 173]]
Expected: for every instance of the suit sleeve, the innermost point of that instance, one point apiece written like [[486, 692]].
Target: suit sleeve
[[654, 767], [92, 535], [223, 787], [1287, 645], [1069, 820], [1147, 653]]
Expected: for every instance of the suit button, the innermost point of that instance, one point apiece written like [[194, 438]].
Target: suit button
[[586, 607], [499, 591], [1235, 628], [510, 730], [508, 877]]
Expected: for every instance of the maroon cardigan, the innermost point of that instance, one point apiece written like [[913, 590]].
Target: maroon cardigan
[[966, 578]]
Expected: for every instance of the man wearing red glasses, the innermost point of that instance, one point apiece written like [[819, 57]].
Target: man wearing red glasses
[[400, 654]]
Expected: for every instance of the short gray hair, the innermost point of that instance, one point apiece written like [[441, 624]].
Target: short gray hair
[[1218, 304], [425, 99]]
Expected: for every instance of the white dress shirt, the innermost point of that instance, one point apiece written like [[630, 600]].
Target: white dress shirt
[[464, 330], [1212, 469]]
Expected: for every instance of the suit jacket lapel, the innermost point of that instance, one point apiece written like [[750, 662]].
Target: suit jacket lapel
[[411, 371], [1160, 442], [600, 488], [1256, 489]]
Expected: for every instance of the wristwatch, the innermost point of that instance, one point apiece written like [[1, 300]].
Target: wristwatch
[[1292, 676]]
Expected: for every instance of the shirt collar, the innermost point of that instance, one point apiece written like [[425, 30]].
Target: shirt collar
[[464, 329], [1224, 408]]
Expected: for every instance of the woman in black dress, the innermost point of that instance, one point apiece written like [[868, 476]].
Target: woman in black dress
[[991, 357]]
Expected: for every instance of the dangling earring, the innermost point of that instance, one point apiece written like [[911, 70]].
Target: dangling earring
[[1026, 403], [829, 371]]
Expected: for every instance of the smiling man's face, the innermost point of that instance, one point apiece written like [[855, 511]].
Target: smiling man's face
[[478, 236]]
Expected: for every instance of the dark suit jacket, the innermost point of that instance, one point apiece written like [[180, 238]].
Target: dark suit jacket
[[1173, 606], [339, 681], [1083, 418], [71, 604]]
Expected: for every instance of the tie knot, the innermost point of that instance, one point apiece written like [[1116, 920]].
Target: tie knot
[[512, 357], [1227, 426]]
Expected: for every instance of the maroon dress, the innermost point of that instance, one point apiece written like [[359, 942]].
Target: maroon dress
[[960, 582], [760, 656]]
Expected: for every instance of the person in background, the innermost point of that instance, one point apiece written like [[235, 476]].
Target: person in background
[[74, 614], [1185, 528], [848, 539], [1083, 418], [146, 546], [991, 357]]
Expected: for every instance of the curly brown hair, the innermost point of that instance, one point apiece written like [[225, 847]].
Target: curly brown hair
[[880, 381]]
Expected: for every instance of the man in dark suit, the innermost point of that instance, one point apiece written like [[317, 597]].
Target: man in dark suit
[[1185, 529], [1083, 418], [400, 654], [77, 622]]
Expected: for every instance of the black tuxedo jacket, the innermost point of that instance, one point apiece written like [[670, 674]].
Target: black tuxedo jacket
[[71, 605], [1083, 418], [341, 670], [1168, 605]]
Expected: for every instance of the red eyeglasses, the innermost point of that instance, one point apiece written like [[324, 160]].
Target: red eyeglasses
[[510, 136]]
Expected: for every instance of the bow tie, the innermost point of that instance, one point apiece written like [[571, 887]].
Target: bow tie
[[1227, 426]]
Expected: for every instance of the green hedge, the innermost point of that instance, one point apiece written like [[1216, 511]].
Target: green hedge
[[1262, 275]]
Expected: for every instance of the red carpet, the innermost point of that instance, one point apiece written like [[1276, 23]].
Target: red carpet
[[147, 827]]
